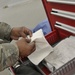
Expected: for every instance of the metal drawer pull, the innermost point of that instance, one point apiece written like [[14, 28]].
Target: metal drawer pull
[[65, 27], [72, 2], [61, 13]]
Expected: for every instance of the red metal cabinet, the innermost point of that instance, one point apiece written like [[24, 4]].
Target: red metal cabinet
[[60, 12], [61, 15]]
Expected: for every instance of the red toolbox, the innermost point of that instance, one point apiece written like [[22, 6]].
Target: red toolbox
[[61, 16]]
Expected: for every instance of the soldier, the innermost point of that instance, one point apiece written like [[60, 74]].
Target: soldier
[[10, 52]]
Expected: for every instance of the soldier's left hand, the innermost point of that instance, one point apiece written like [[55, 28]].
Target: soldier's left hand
[[17, 32]]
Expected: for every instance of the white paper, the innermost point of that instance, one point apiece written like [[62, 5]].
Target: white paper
[[63, 52], [42, 48]]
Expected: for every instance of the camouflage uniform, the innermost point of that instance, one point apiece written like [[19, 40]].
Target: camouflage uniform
[[9, 53]]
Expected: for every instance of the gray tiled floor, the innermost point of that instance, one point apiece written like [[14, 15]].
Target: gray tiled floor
[[27, 14]]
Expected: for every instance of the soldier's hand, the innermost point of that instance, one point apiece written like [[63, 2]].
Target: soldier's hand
[[25, 47], [20, 32]]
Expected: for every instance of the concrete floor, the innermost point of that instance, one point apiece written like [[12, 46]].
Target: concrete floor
[[27, 14]]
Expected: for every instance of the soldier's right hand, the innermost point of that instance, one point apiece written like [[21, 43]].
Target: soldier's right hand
[[25, 47]]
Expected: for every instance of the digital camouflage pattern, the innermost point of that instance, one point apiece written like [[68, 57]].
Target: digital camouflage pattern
[[9, 52]]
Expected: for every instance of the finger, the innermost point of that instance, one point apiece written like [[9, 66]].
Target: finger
[[23, 34], [32, 46], [28, 40], [30, 33], [27, 31], [34, 49]]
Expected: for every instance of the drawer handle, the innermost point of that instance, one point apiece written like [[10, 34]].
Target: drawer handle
[[66, 27], [62, 13], [63, 1]]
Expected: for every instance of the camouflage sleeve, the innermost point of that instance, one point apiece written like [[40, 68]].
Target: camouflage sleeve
[[5, 31], [9, 55]]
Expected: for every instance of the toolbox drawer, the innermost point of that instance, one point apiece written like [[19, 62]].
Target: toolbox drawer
[[60, 11]]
